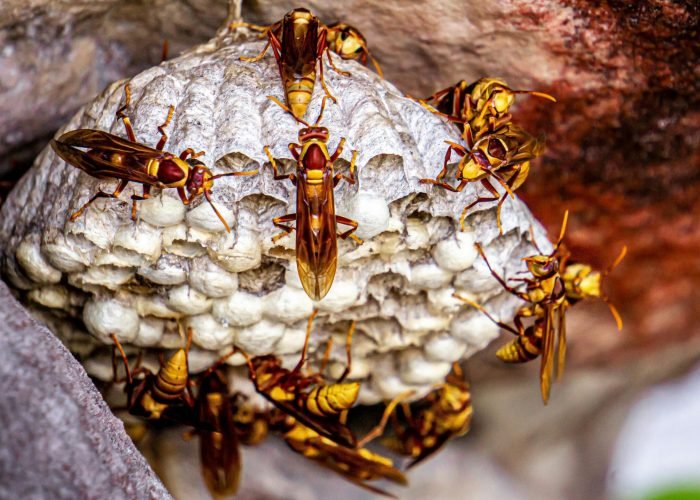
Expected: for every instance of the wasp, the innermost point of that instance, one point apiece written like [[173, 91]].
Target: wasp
[[315, 218], [218, 432], [299, 42], [503, 156], [307, 398], [356, 465], [582, 282], [349, 43], [111, 157], [480, 107], [153, 395], [545, 297], [426, 426]]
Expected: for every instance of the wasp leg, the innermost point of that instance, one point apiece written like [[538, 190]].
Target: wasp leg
[[483, 199], [338, 150], [260, 55], [350, 179], [281, 222], [353, 227], [321, 48], [254, 27], [519, 331], [277, 176], [189, 152], [134, 198], [500, 280], [326, 356], [461, 151], [122, 116], [161, 129], [100, 194], [332, 64], [304, 351], [379, 428], [348, 352]]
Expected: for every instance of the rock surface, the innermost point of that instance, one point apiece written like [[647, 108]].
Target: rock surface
[[59, 438]]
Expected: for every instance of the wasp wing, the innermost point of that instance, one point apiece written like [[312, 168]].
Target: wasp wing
[[327, 427], [100, 165], [547, 363], [316, 243]]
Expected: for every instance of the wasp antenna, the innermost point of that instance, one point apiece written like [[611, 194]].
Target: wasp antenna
[[348, 353], [562, 231], [236, 174], [533, 240], [616, 262], [376, 65], [535, 93], [323, 108], [286, 108], [207, 195]]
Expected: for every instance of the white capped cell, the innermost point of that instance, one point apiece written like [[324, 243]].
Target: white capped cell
[[457, 253], [240, 309], [34, 264], [204, 217], [210, 334], [188, 301], [287, 305], [105, 317], [162, 211], [259, 338]]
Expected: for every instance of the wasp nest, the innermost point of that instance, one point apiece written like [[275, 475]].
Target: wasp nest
[[179, 264]]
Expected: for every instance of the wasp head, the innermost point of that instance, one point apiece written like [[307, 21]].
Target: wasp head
[[347, 41], [200, 178], [318, 133], [542, 266]]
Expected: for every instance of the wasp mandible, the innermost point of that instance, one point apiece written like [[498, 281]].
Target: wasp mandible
[[315, 218], [111, 157]]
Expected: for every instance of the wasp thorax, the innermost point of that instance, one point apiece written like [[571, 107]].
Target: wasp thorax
[[171, 171], [502, 100], [542, 266]]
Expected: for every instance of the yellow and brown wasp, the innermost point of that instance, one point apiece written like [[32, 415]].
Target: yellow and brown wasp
[[315, 218], [425, 426], [349, 43], [357, 465], [154, 395], [545, 296], [111, 157], [483, 105], [307, 398], [503, 156], [299, 42]]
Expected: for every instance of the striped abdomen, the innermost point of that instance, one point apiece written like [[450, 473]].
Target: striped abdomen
[[327, 400], [524, 348], [172, 378], [298, 90]]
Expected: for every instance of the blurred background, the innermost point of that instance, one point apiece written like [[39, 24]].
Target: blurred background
[[623, 155]]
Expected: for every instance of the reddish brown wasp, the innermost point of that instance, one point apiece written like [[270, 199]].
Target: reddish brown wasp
[[299, 42], [153, 395], [545, 296], [307, 398], [356, 465], [315, 218], [111, 157], [483, 105]]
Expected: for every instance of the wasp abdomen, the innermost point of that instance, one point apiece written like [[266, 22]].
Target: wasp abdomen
[[172, 377], [332, 399]]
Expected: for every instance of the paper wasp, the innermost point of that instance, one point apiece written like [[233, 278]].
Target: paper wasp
[[483, 105], [357, 465], [111, 157], [218, 434], [425, 426], [154, 395], [315, 218], [503, 156], [299, 42], [545, 295], [307, 398]]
